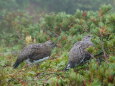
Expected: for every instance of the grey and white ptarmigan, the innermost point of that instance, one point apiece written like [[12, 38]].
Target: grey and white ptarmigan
[[78, 53], [35, 52]]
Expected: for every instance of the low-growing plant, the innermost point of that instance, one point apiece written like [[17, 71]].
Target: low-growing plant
[[65, 30]]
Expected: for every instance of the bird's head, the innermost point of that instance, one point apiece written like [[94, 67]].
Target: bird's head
[[87, 38], [50, 43]]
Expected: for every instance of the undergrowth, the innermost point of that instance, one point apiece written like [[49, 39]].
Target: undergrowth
[[65, 30]]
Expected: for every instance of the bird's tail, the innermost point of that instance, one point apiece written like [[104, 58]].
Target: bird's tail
[[16, 64], [70, 65]]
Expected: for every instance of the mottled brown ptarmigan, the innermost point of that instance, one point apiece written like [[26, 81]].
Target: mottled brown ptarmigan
[[78, 53], [35, 52]]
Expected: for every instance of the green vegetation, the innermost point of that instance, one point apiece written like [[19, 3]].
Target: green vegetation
[[19, 29]]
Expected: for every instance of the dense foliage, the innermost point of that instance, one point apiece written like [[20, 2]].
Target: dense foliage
[[18, 29]]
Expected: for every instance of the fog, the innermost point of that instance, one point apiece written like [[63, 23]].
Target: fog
[[68, 6]]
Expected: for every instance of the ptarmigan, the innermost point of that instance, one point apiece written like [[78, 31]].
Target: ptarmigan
[[78, 53], [35, 52]]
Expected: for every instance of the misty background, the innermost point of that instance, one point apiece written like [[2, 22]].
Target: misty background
[[68, 6]]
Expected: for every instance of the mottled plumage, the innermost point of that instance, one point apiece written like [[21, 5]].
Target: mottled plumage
[[78, 54], [35, 52]]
